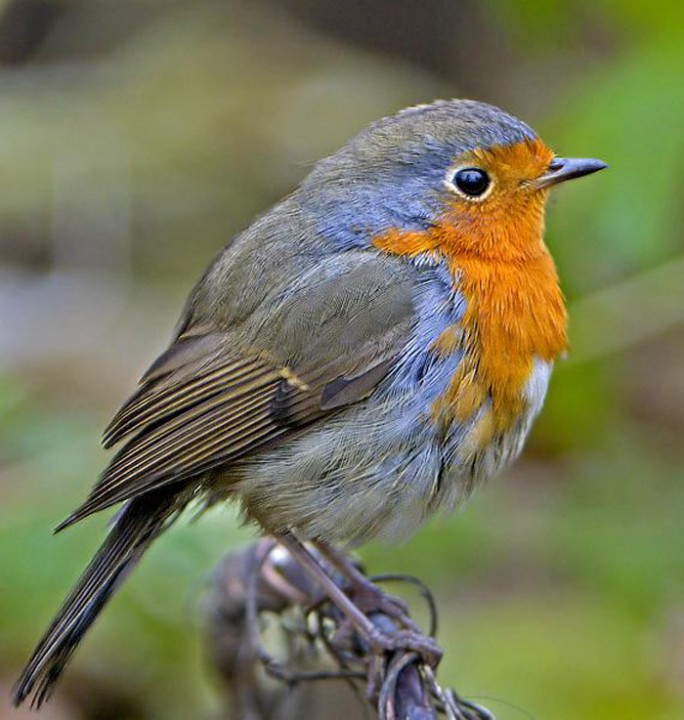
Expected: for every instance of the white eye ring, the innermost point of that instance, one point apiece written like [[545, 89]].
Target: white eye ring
[[470, 182]]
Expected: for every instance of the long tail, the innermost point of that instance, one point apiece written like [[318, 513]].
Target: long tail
[[137, 526]]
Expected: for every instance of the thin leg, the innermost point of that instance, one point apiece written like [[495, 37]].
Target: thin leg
[[378, 641], [369, 595], [310, 563]]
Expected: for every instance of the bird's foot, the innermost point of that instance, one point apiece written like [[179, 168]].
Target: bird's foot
[[405, 641], [380, 621], [367, 596]]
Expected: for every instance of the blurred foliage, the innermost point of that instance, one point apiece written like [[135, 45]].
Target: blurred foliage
[[136, 137]]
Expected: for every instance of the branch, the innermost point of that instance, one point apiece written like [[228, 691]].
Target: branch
[[260, 596]]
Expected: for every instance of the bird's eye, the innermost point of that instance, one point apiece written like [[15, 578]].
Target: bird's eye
[[472, 182]]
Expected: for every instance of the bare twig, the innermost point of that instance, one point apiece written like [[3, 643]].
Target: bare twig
[[261, 596]]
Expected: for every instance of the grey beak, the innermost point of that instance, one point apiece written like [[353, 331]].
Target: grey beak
[[562, 169]]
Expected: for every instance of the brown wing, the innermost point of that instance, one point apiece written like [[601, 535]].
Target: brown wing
[[189, 419], [204, 404]]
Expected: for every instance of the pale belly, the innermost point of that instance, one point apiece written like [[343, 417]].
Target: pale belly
[[379, 469]]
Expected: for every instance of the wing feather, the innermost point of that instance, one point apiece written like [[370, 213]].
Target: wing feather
[[175, 439], [152, 401], [204, 403]]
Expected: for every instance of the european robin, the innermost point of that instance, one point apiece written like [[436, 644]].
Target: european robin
[[362, 355]]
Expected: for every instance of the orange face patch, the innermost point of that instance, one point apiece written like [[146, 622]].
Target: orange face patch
[[507, 225], [515, 310], [509, 222], [509, 164]]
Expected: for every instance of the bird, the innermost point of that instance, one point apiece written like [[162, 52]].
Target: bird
[[363, 355]]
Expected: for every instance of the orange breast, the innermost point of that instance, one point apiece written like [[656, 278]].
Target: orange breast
[[515, 313], [515, 310]]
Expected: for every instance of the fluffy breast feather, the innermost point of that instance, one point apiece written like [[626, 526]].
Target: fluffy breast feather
[[381, 467]]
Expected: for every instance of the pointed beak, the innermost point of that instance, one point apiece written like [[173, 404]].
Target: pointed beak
[[562, 169]]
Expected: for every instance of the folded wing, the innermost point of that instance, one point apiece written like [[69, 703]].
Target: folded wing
[[205, 404]]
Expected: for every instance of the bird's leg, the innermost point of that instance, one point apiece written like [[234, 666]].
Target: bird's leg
[[371, 599], [312, 565], [367, 595], [378, 641]]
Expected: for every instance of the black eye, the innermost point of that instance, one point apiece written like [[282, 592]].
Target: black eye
[[471, 181]]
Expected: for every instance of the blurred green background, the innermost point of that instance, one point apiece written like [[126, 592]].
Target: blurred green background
[[137, 136]]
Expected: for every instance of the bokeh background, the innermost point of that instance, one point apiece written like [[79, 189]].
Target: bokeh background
[[136, 137]]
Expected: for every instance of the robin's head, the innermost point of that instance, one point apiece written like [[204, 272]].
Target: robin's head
[[474, 171]]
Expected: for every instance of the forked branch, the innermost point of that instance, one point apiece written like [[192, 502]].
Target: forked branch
[[261, 597]]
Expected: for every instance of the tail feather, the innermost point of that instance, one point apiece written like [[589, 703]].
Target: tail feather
[[138, 525]]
